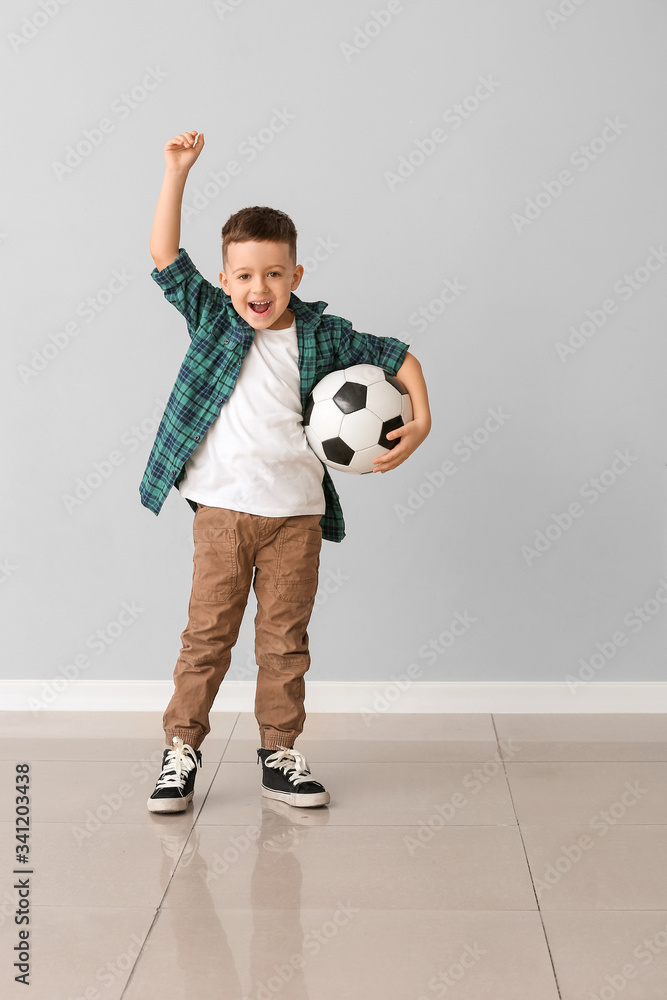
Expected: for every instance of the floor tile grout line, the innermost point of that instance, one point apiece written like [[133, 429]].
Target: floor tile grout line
[[370, 909], [380, 826], [525, 854], [196, 820], [175, 868], [140, 952], [194, 823], [356, 761]]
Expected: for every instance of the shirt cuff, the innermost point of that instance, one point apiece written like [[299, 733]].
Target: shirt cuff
[[397, 357], [171, 275]]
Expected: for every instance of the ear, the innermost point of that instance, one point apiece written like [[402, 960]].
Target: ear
[[296, 278], [223, 281]]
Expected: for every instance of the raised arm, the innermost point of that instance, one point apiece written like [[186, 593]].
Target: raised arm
[[180, 152]]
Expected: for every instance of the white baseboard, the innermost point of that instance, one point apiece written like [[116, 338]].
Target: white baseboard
[[61, 694]]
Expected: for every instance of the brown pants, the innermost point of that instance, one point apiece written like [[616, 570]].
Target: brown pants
[[285, 555]]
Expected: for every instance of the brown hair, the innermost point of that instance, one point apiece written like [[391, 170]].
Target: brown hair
[[259, 223]]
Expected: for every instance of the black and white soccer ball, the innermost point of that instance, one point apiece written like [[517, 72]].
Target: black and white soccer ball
[[349, 414]]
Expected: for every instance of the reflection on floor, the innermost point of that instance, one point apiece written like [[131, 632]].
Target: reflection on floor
[[475, 857]]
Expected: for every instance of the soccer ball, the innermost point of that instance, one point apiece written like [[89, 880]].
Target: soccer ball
[[349, 414]]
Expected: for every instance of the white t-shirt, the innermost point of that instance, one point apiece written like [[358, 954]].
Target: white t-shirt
[[255, 457]]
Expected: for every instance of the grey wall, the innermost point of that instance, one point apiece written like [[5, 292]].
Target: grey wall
[[361, 99]]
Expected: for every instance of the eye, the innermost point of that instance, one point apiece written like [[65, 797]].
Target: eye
[[241, 276], [277, 273]]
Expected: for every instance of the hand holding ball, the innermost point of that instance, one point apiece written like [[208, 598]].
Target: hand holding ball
[[349, 413]]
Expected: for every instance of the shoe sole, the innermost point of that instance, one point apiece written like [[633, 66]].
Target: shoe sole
[[297, 798], [170, 805]]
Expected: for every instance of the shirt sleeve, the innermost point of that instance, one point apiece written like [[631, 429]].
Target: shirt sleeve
[[356, 348], [183, 285]]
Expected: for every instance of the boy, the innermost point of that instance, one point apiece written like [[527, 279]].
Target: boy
[[232, 441]]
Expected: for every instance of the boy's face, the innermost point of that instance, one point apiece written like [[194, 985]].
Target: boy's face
[[259, 273]]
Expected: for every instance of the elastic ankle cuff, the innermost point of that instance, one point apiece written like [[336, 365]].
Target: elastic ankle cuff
[[271, 739], [187, 736]]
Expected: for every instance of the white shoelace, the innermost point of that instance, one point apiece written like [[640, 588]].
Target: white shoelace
[[178, 763], [293, 764]]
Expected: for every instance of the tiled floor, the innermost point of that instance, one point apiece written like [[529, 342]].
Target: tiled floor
[[472, 857]]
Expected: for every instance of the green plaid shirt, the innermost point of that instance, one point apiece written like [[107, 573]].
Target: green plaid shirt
[[219, 341]]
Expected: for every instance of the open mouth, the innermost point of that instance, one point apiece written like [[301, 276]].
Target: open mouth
[[260, 307]]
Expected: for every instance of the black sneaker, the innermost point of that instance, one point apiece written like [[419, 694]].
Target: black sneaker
[[285, 776], [175, 786]]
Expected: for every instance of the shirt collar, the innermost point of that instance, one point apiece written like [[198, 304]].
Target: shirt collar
[[308, 313]]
